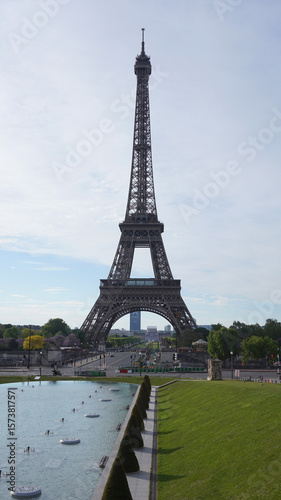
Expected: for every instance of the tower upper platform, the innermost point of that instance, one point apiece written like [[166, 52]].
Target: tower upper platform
[[142, 61]]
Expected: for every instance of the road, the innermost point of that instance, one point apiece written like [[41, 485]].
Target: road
[[111, 364]]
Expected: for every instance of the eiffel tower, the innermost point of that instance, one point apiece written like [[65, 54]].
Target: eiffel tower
[[120, 294]]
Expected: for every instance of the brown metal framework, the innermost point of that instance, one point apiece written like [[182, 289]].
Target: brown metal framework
[[120, 294]]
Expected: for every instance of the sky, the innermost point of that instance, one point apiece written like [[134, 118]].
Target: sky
[[67, 93]]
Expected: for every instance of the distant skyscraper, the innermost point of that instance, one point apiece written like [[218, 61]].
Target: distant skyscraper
[[167, 328], [135, 321]]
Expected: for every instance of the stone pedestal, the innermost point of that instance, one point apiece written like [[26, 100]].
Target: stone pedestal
[[214, 369], [167, 355]]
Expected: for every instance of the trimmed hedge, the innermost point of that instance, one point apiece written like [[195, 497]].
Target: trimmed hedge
[[144, 396], [138, 417], [147, 382], [145, 389], [134, 432], [127, 454], [117, 487], [141, 407]]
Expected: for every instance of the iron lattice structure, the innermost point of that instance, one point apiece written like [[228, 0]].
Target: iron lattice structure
[[120, 294]]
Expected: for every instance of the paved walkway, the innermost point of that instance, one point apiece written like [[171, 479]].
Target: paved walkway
[[139, 482]]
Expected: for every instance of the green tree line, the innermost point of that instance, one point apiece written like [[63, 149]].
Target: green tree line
[[249, 341], [54, 332]]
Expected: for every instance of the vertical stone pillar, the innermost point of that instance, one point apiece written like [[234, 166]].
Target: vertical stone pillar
[[214, 369]]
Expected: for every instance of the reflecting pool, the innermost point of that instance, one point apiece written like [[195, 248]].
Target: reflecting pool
[[47, 412]]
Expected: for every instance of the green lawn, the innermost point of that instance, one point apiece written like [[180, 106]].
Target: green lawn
[[219, 441]]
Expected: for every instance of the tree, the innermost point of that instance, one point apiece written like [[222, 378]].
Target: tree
[[272, 329], [259, 347], [244, 331], [71, 341], [54, 326], [57, 340], [252, 347], [202, 332], [271, 347], [11, 332], [257, 330], [80, 334], [20, 342], [186, 338], [33, 342], [216, 327], [216, 347], [222, 342], [12, 344], [27, 331]]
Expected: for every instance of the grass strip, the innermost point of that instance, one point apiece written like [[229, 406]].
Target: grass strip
[[219, 440]]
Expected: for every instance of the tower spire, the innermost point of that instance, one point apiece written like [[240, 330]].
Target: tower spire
[[142, 43]]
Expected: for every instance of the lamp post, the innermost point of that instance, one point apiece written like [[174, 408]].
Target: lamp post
[[231, 354], [28, 359], [140, 363], [40, 369], [74, 354]]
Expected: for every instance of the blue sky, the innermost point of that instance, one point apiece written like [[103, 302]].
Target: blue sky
[[67, 76]]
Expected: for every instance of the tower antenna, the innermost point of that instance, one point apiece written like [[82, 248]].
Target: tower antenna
[[142, 43]]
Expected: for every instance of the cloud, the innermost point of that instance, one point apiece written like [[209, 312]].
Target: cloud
[[51, 268], [43, 266]]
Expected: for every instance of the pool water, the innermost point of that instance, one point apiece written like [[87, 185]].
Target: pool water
[[63, 472]]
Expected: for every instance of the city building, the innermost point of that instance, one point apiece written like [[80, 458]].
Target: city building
[[135, 321], [152, 334]]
